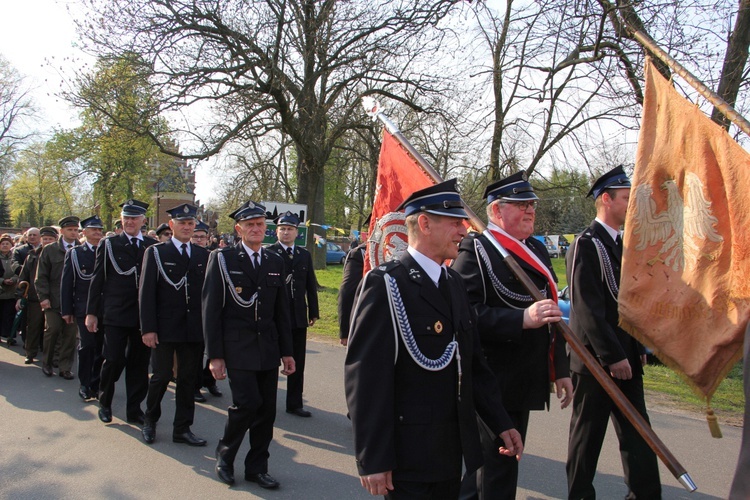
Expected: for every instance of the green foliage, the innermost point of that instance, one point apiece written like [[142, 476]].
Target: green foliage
[[40, 187], [563, 206], [5, 219]]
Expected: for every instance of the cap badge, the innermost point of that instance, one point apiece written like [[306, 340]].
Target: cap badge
[[185, 209], [250, 204]]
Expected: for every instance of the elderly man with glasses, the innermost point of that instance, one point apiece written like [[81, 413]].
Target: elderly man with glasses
[[521, 347]]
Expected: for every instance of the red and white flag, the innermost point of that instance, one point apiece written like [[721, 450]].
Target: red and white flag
[[399, 175]]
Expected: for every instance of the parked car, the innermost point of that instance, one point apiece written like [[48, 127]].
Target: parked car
[[334, 254], [563, 302], [553, 251]]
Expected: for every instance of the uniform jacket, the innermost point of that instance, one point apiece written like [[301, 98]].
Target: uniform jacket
[[174, 314], [49, 272], [74, 287], [114, 296], [246, 338], [593, 309], [301, 284], [405, 418], [28, 274], [353, 268], [519, 358]]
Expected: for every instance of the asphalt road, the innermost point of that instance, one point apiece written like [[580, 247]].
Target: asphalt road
[[52, 445]]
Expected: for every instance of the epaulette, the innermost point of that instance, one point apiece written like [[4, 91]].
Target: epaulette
[[389, 266]]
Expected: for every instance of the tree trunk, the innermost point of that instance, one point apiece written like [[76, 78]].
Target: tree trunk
[[734, 62]]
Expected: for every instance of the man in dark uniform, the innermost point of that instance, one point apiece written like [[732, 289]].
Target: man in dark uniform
[[35, 315], [113, 295], [170, 307], [594, 319], [352, 277], [48, 278], [415, 374], [247, 330], [300, 285], [204, 377], [164, 232], [74, 294], [521, 349]]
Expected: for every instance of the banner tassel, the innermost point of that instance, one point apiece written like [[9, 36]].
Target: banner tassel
[[713, 423]]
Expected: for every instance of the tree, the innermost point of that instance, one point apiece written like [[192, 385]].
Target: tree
[[5, 219], [296, 66], [40, 187], [15, 106], [104, 150]]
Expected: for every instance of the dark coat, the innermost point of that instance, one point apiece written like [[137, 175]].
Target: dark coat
[[28, 274], [174, 314], [19, 257], [302, 286], [353, 269], [111, 295], [593, 309], [246, 338], [405, 418], [49, 272], [519, 358], [74, 288]]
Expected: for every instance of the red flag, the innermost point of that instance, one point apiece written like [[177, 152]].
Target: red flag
[[399, 176], [684, 288]]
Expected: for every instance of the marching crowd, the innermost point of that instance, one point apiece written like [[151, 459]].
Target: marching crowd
[[443, 364]]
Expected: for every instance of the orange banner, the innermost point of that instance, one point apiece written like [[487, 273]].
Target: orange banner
[[685, 281], [399, 176]]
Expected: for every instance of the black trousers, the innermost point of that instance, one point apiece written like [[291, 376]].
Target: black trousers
[[124, 350], [90, 346], [253, 409], [34, 328], [592, 408], [413, 490], [296, 381], [497, 479], [189, 357]]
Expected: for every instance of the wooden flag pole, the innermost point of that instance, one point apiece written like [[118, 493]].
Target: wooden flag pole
[[635, 418], [650, 44]]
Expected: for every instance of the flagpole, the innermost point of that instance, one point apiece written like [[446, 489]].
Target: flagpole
[[650, 44], [635, 418]]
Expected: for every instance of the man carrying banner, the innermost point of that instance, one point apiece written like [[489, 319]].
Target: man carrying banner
[[415, 375], [593, 271], [521, 349]]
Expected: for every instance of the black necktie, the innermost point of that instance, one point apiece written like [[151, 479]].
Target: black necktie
[[256, 262], [618, 241], [134, 241], [185, 256], [68, 247], [443, 286], [289, 252]]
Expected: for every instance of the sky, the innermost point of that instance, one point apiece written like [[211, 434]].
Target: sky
[[38, 38]]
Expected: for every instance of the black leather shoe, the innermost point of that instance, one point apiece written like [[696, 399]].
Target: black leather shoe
[[263, 479], [66, 375], [224, 470], [84, 393], [300, 412], [214, 391], [188, 438], [149, 432], [28, 360], [136, 419], [198, 397], [105, 414], [12, 342], [47, 370]]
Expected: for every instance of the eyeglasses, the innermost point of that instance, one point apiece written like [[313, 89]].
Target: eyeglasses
[[196, 237], [523, 205]]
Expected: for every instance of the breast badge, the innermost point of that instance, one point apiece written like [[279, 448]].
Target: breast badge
[[438, 327]]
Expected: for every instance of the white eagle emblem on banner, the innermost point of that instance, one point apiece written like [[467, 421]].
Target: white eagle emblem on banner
[[682, 229]]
